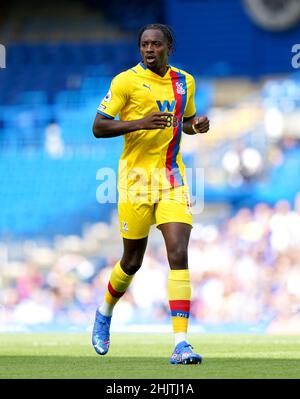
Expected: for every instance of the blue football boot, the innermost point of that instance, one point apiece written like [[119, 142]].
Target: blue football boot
[[100, 336], [183, 354]]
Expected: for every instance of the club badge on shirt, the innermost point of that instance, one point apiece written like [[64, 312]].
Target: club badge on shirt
[[179, 88]]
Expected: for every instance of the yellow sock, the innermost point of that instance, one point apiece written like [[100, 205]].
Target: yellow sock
[[118, 283], [179, 294]]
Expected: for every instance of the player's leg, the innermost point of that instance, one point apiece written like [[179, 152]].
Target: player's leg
[[120, 279], [123, 273], [174, 219], [176, 236], [135, 221]]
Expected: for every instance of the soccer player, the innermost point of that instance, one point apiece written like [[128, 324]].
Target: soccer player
[[155, 102]]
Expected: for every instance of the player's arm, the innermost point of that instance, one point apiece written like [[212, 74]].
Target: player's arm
[[104, 127], [196, 124]]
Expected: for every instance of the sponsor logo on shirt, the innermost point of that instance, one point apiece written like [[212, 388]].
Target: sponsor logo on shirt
[[166, 105]]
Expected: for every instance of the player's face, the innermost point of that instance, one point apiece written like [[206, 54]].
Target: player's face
[[154, 49]]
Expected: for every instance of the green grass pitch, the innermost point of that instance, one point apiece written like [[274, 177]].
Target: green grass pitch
[[147, 356]]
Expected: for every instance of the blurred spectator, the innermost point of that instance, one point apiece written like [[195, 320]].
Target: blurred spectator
[[242, 164], [54, 144], [28, 281], [244, 272]]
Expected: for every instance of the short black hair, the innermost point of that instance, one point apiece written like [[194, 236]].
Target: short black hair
[[165, 29]]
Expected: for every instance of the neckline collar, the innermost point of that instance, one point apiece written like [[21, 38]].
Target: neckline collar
[[155, 74]]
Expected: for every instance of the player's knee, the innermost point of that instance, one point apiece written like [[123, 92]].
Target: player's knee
[[132, 266], [178, 258]]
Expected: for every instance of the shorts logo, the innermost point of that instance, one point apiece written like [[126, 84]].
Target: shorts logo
[[108, 96], [179, 88], [124, 226], [188, 203]]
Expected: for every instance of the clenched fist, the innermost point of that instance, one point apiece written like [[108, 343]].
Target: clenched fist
[[200, 124], [155, 120]]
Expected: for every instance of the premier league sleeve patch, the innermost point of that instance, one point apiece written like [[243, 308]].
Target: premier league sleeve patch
[[108, 96]]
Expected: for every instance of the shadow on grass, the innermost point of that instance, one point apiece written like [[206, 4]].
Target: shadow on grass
[[84, 367]]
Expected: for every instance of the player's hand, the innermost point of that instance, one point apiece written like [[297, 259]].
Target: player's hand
[[201, 124], [155, 120]]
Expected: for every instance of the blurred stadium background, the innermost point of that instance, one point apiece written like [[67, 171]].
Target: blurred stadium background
[[58, 244]]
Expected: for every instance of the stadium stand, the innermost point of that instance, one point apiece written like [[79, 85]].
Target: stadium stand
[[57, 244], [57, 287]]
